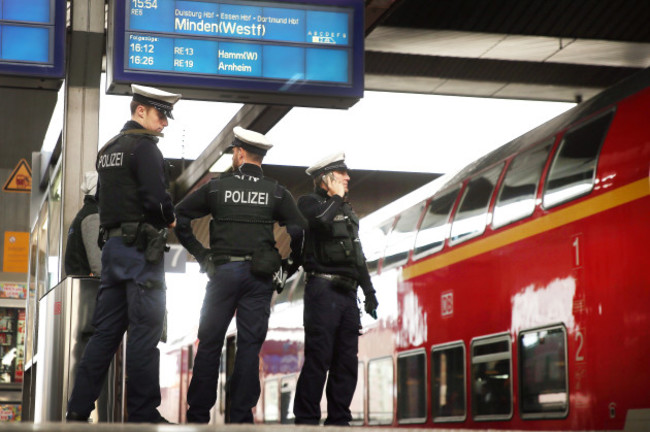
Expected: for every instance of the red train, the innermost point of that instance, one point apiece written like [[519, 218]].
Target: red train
[[514, 294]]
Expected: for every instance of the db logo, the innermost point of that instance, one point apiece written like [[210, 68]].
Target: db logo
[[57, 308], [447, 303]]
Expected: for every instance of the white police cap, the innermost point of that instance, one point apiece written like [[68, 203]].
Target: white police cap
[[161, 100], [251, 141], [333, 162]]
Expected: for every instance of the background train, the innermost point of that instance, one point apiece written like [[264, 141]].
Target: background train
[[514, 294]]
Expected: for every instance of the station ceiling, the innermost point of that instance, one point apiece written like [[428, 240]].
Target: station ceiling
[[558, 50]]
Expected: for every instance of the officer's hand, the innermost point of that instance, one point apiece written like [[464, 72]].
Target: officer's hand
[[202, 258], [172, 225], [289, 267], [370, 304], [334, 187], [279, 279]]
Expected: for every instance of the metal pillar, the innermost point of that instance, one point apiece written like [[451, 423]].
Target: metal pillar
[[81, 115]]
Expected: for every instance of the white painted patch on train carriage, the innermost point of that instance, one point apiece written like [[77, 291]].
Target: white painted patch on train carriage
[[413, 330], [535, 306]]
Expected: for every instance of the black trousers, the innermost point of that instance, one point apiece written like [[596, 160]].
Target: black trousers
[[331, 320], [233, 288], [132, 296]]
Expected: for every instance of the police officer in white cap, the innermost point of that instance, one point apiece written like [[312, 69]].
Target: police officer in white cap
[[240, 264], [133, 204], [335, 267]]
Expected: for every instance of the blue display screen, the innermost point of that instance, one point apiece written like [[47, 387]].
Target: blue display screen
[[22, 43], [276, 46], [32, 37], [211, 57]]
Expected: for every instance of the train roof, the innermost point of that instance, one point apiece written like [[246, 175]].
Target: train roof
[[608, 97]]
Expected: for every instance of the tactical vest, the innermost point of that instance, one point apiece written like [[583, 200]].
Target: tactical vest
[[76, 258], [340, 245], [118, 192], [242, 213]]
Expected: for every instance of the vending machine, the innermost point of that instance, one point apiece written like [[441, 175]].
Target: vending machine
[[12, 349]]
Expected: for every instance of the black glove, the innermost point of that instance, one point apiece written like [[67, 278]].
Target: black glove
[[370, 304], [207, 262], [289, 266], [202, 259]]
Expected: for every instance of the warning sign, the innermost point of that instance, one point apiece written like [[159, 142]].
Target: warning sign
[[20, 179]]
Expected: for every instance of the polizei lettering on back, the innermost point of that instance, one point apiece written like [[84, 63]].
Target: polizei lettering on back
[[111, 160], [246, 197]]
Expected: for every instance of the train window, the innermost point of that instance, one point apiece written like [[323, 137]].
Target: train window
[[448, 383], [435, 225], [544, 390], [358, 403], [412, 387], [472, 212], [380, 391], [374, 243], [491, 378], [271, 401], [573, 169], [516, 199], [400, 239]]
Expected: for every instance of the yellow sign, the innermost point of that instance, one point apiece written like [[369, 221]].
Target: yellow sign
[[20, 179], [16, 252]]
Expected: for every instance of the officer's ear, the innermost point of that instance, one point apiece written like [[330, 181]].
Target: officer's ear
[[140, 111], [323, 181]]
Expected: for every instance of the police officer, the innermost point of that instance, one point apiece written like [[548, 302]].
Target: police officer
[[133, 203], [335, 267], [240, 265], [82, 254]]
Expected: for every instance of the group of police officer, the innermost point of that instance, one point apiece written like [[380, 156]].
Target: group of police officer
[[135, 212]]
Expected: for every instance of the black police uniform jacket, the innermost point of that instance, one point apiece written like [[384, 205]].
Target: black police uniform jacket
[[244, 206], [133, 178], [76, 257], [332, 243]]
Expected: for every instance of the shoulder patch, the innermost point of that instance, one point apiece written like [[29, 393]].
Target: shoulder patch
[[279, 190], [213, 186]]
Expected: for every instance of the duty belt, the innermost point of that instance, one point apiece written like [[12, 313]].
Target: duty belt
[[231, 258], [114, 232], [338, 280]]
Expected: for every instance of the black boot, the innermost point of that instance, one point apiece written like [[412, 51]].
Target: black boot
[[75, 417]]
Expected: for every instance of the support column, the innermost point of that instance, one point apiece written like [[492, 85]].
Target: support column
[[81, 117]]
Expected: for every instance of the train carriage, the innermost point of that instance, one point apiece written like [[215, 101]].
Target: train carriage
[[514, 294]]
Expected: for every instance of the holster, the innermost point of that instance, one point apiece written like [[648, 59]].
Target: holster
[[152, 241], [266, 262], [102, 237], [130, 231], [344, 283]]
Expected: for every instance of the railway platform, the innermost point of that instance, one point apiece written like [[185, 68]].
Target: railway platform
[[147, 427]]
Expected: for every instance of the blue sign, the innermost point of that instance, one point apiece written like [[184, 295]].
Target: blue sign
[[281, 51], [32, 37]]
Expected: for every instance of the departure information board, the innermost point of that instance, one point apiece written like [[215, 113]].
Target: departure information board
[[249, 51], [32, 37]]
